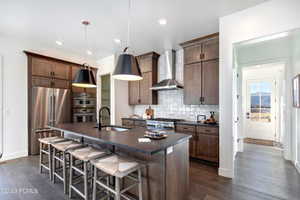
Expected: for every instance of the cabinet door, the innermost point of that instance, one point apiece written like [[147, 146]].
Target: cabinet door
[[41, 82], [192, 84], [63, 84], [213, 153], [207, 147], [145, 64], [41, 67], [210, 49], [189, 130], [202, 146], [210, 82], [134, 92], [145, 92], [192, 54], [61, 70]]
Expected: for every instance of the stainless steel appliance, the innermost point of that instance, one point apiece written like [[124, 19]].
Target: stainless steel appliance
[[50, 106], [84, 107], [162, 123]]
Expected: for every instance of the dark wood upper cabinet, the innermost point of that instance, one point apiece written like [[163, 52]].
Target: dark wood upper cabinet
[[139, 91], [41, 67], [134, 92], [192, 84], [210, 49], [44, 71], [201, 70], [192, 54], [210, 82], [61, 70]]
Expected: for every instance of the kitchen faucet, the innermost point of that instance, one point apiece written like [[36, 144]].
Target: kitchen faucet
[[100, 116]]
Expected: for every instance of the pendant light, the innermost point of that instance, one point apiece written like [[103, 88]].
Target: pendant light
[[85, 77], [127, 67]]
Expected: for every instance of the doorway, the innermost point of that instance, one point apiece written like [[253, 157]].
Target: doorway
[[262, 103], [260, 116], [105, 97], [1, 109]]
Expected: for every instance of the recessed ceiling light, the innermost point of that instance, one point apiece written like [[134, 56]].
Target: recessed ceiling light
[[117, 40], [162, 21], [89, 52], [59, 42]]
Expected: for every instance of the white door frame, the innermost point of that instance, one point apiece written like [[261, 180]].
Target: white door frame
[[1, 109]]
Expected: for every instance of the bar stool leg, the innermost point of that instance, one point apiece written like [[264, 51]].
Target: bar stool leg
[[95, 184], [71, 176], [140, 184], [117, 188], [65, 172], [53, 164], [41, 157], [50, 162], [85, 176]]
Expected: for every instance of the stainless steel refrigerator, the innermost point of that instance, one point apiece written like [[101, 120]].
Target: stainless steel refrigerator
[[50, 106]]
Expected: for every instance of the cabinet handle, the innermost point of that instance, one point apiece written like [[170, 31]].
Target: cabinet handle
[[53, 73], [203, 56]]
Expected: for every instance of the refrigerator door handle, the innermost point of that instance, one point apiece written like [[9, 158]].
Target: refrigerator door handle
[[50, 111], [53, 107]]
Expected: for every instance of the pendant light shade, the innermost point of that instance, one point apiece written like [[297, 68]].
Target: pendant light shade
[[85, 79], [127, 68]]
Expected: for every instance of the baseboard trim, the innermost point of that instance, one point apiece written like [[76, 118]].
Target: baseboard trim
[[14, 155], [226, 173], [297, 165]]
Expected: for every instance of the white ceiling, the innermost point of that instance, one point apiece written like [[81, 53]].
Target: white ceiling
[[44, 22]]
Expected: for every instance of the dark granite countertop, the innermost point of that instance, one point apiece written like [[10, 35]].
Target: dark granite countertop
[[127, 139], [194, 123], [136, 119]]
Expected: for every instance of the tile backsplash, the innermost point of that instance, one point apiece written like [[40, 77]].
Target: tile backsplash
[[170, 102]]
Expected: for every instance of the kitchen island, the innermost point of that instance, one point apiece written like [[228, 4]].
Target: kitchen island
[[166, 175]]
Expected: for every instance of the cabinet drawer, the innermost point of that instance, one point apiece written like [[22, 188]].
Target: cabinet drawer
[[185, 128], [41, 82], [208, 130], [140, 123], [64, 84], [127, 122]]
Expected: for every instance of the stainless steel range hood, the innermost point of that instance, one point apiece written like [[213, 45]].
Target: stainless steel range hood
[[169, 83]]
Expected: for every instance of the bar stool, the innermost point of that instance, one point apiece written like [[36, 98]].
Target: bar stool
[[119, 167], [46, 149], [84, 155], [60, 154]]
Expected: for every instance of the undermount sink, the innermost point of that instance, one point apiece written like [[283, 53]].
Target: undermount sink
[[114, 128]]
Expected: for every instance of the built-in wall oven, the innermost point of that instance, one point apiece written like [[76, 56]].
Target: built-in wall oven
[[84, 107]]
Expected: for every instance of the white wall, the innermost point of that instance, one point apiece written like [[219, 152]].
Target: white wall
[[268, 18], [118, 94], [1, 107], [15, 137], [170, 102]]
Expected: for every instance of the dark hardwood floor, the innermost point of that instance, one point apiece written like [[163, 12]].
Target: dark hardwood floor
[[261, 173]]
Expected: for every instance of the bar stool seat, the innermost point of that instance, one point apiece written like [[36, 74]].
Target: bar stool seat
[[50, 140], [64, 146], [119, 167], [116, 165], [84, 155]]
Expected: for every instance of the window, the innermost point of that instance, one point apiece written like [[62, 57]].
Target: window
[[260, 94]]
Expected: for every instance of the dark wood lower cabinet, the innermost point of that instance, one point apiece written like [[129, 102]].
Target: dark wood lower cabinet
[[207, 147], [204, 143]]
